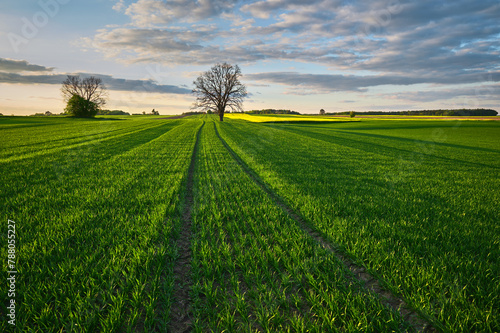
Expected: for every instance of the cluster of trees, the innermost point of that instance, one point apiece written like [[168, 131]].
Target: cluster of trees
[[112, 113], [215, 90], [84, 97], [99, 112], [450, 112], [351, 114], [45, 114], [193, 113], [272, 111], [152, 113]]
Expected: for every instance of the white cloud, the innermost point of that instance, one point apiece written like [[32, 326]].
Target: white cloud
[[146, 13], [119, 6], [480, 92], [238, 20], [300, 84], [446, 43]]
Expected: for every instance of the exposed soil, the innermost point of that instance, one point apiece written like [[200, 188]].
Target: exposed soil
[[180, 312], [360, 273]]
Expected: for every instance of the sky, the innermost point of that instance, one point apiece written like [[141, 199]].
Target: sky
[[335, 55]]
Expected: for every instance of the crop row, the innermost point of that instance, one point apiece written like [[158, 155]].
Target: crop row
[[29, 141], [417, 206], [255, 269], [98, 208], [94, 229]]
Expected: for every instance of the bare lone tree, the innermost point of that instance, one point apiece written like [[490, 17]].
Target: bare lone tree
[[220, 88], [83, 96]]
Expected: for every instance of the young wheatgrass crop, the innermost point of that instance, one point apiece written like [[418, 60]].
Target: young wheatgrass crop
[[414, 202], [98, 208], [255, 269], [95, 222], [27, 141]]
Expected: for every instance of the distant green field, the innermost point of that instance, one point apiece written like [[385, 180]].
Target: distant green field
[[99, 207]]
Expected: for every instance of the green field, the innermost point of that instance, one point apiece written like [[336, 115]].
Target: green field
[[288, 225]]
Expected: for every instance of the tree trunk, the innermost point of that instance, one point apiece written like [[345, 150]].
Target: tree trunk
[[221, 116]]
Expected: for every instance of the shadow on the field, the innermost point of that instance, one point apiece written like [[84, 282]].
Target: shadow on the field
[[410, 151]]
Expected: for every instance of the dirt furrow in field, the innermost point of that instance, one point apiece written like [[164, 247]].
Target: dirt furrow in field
[[371, 283], [180, 312]]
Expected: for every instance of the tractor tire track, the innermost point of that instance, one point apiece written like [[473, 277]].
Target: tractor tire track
[[370, 283], [180, 311]]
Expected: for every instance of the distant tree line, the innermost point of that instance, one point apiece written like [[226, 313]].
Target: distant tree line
[[152, 113], [45, 114], [112, 113], [455, 112], [193, 113], [265, 111], [272, 111]]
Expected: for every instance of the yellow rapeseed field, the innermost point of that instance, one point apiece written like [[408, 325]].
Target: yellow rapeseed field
[[259, 118]]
